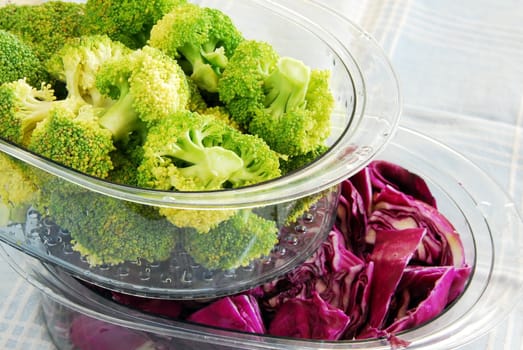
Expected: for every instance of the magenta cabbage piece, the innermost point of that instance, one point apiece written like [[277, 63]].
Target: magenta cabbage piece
[[395, 210], [240, 312], [391, 262], [168, 308], [87, 333], [383, 174], [311, 318], [392, 252]]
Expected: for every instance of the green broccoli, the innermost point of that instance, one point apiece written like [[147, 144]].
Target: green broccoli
[[21, 108], [196, 102], [146, 85], [193, 152], [280, 99], [77, 64], [240, 87], [110, 231], [17, 189], [289, 164], [200, 38], [201, 220], [234, 242], [45, 27], [18, 61], [128, 21], [74, 139], [221, 113], [295, 121]]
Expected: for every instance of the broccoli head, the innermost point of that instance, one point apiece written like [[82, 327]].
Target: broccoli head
[[110, 231], [280, 99], [202, 39], [233, 243], [241, 85], [289, 164], [74, 139], [146, 86], [21, 108], [200, 220], [77, 64], [128, 21], [193, 152], [17, 189], [45, 27], [18, 61], [295, 120]]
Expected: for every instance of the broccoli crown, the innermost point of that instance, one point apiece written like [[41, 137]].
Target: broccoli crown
[[233, 243], [128, 21], [241, 85], [201, 38], [77, 64], [193, 152], [45, 27], [21, 108], [18, 61], [295, 120], [293, 163], [196, 102], [146, 85], [16, 185], [111, 231], [75, 140], [221, 113], [200, 220]]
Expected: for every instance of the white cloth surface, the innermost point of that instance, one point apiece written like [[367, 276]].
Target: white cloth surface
[[459, 66]]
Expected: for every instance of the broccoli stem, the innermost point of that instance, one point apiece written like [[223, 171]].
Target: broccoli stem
[[121, 118], [214, 164], [286, 86], [203, 73]]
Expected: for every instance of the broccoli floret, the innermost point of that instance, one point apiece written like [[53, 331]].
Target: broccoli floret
[[77, 64], [201, 220], [202, 39], [17, 189], [128, 21], [146, 85], [196, 102], [295, 120], [233, 243], [45, 27], [221, 113], [299, 161], [241, 85], [277, 98], [110, 231], [21, 108], [125, 163], [75, 140], [18, 61], [193, 152]]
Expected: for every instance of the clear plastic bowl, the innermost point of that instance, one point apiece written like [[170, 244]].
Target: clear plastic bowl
[[365, 118], [485, 217]]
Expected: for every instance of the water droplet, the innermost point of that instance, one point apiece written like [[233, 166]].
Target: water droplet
[[123, 271], [230, 273], [292, 239], [187, 277], [300, 229]]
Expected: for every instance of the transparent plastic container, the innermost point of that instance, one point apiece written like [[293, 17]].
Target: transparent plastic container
[[486, 218], [365, 117]]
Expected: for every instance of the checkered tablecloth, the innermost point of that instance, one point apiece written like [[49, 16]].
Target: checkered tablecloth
[[460, 68]]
